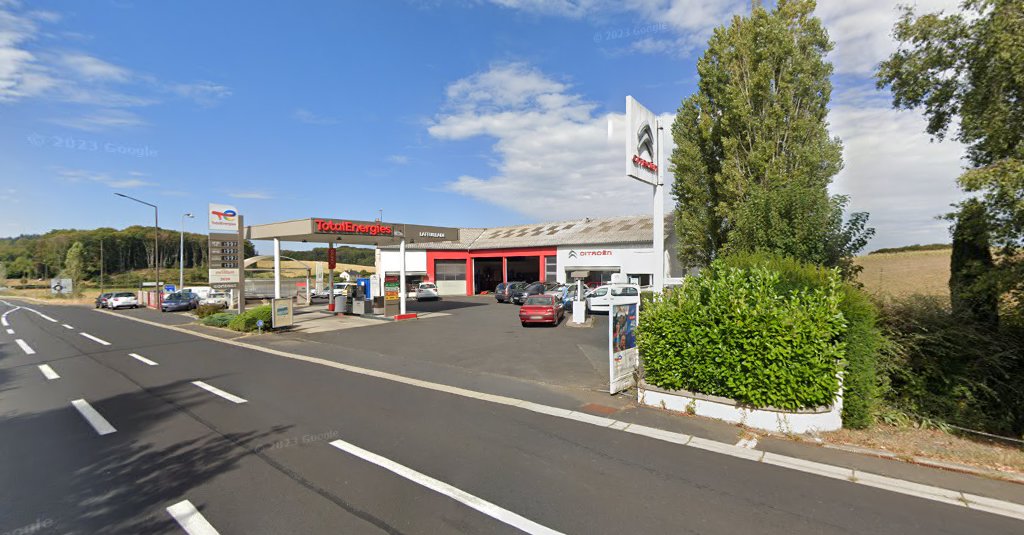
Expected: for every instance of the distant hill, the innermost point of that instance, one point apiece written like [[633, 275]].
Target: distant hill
[[42, 255], [915, 247], [345, 255]]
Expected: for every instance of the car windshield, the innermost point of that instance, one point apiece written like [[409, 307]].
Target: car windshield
[[427, 287], [124, 294], [539, 300]]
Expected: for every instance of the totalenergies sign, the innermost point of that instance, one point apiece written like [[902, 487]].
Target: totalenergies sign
[[223, 218], [349, 227]]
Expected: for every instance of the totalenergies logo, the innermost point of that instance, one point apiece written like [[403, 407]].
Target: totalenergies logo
[[226, 216], [348, 227]]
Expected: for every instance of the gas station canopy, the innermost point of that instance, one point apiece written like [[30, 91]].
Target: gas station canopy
[[350, 232]]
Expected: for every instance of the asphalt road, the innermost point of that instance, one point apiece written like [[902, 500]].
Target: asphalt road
[[294, 447]]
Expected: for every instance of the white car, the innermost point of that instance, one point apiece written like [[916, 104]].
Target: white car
[[427, 291], [599, 299], [216, 298], [122, 300], [343, 288]]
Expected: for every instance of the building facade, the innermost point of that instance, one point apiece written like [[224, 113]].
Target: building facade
[[587, 249]]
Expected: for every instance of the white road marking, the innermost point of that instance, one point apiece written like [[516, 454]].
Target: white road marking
[[94, 339], [3, 318], [463, 497], [142, 359], [66, 326], [41, 315], [10, 331], [190, 519], [95, 419], [25, 347], [214, 390], [48, 372], [999, 507]]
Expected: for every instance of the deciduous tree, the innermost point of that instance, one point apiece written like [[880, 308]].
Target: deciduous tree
[[754, 157]]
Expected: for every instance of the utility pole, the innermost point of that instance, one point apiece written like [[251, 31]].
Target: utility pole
[[181, 252], [156, 245]]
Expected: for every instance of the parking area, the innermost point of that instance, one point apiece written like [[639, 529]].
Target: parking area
[[479, 335]]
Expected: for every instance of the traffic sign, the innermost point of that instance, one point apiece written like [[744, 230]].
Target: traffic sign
[[169, 288]]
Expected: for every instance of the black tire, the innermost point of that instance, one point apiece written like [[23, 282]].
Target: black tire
[[525, 324]]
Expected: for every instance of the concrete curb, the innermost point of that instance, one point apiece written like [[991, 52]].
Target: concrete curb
[[931, 463], [938, 494]]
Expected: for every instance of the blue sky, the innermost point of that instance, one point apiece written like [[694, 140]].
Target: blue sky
[[468, 113]]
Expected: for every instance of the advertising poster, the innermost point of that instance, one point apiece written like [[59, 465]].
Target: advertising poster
[[622, 322]]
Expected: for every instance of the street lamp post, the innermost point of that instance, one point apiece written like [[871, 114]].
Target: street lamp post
[[156, 244], [181, 252]]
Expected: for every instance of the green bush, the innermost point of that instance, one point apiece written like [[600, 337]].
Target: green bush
[[862, 339], [246, 322], [220, 319], [737, 333], [943, 367], [207, 310]]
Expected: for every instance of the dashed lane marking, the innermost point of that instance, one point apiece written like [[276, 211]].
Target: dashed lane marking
[[95, 419], [48, 372], [190, 519], [498, 513]]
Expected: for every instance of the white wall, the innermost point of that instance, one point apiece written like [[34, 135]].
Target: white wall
[[635, 260], [391, 261]]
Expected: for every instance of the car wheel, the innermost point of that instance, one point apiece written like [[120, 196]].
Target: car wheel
[[524, 323]]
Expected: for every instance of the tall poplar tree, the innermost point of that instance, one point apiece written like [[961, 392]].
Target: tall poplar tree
[[753, 157]]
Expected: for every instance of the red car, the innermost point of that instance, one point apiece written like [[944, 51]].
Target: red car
[[541, 309]]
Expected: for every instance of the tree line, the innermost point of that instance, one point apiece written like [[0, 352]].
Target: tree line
[[44, 256], [345, 255]]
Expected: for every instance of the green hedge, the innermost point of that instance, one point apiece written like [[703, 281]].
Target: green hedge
[[246, 322], [740, 334], [207, 310], [220, 319], [862, 339]]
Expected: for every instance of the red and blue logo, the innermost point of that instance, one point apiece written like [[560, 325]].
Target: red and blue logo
[[226, 215]]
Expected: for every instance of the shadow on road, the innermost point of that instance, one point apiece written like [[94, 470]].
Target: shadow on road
[[55, 469]]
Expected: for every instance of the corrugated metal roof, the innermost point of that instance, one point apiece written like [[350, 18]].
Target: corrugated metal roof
[[587, 231]]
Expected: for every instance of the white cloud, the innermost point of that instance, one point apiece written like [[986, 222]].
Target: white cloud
[[82, 175], [250, 195], [92, 68], [862, 29], [308, 117], [398, 159], [894, 172], [549, 141], [101, 120], [29, 70]]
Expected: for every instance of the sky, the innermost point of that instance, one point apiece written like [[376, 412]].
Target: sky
[[453, 113]]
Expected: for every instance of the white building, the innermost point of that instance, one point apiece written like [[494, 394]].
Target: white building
[[591, 249]]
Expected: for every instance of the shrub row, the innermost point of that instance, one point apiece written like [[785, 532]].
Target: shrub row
[[862, 340], [246, 322], [750, 334], [220, 319]]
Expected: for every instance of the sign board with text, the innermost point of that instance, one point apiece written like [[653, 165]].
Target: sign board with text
[[392, 288], [641, 142], [281, 312]]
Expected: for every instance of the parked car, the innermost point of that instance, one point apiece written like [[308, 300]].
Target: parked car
[[216, 298], [427, 291], [101, 299], [519, 295], [177, 301], [343, 288], [599, 299], [192, 297], [499, 291], [541, 309], [510, 288], [122, 300]]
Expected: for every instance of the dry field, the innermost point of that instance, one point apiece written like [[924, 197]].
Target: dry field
[[908, 273]]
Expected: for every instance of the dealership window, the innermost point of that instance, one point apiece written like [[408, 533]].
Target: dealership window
[[550, 268], [450, 270], [640, 279]]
